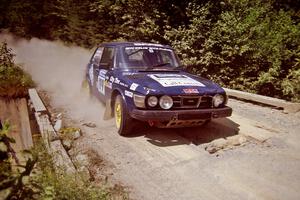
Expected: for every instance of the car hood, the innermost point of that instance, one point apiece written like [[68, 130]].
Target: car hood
[[171, 83]]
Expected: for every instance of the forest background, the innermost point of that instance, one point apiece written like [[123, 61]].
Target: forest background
[[249, 45]]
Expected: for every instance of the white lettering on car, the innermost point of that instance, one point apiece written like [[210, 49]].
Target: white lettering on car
[[112, 79], [128, 93], [170, 80], [117, 81], [101, 81], [134, 86]]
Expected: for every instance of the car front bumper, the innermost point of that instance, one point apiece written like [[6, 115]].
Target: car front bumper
[[167, 115]]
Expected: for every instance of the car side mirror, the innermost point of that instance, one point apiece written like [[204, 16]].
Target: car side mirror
[[96, 60]]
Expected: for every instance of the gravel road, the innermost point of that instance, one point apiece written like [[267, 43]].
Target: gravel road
[[173, 163]]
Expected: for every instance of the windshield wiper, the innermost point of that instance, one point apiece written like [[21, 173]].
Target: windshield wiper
[[160, 65]]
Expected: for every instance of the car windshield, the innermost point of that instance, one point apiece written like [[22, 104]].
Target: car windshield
[[147, 57]]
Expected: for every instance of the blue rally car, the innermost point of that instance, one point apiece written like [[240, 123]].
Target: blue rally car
[[145, 82]]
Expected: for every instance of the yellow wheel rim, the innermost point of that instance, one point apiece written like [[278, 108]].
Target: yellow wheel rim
[[118, 114]]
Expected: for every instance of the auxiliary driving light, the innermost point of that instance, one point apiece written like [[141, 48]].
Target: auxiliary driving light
[[218, 100], [165, 102], [152, 101]]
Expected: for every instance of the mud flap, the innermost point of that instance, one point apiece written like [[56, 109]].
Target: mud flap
[[108, 111]]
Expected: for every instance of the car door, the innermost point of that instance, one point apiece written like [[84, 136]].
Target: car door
[[100, 72], [93, 64]]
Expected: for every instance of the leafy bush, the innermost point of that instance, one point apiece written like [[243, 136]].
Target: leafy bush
[[62, 186], [13, 176], [291, 85], [248, 46], [37, 179], [14, 82]]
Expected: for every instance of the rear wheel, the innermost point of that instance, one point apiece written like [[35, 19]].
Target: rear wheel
[[123, 121]]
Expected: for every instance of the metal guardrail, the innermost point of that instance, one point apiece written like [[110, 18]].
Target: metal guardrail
[[288, 107]]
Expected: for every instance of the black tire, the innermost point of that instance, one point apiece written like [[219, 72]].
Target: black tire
[[124, 124]]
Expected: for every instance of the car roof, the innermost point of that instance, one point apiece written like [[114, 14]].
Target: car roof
[[124, 44]]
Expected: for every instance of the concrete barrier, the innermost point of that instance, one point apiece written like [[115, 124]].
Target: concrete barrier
[[36, 101], [53, 144], [288, 107]]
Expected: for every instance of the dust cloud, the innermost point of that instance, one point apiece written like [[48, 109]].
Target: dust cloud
[[59, 70]]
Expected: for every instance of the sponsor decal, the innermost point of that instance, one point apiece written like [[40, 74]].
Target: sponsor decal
[[112, 79], [123, 84], [128, 73], [150, 49], [148, 90], [171, 80], [101, 81], [134, 86], [128, 93], [147, 44], [117, 81], [190, 91], [102, 73]]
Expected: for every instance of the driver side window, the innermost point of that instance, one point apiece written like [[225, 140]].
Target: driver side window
[[107, 59], [97, 56]]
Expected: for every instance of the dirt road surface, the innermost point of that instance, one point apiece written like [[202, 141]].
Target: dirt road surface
[[173, 163], [257, 154]]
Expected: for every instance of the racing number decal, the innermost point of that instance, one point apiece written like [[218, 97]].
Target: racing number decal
[[101, 81], [95, 61]]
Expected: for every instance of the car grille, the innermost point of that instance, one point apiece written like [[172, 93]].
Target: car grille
[[181, 102]]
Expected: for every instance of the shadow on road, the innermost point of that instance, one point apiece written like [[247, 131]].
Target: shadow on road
[[218, 128]]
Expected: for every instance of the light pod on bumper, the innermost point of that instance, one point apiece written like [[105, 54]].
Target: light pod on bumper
[[152, 101], [165, 102], [139, 101], [218, 100]]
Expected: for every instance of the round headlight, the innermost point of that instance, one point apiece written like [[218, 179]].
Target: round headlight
[[165, 102], [218, 100], [152, 101]]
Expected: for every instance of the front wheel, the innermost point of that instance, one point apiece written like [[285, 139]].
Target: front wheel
[[124, 122]]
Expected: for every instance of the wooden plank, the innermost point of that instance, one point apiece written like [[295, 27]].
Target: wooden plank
[[25, 124], [36, 101], [287, 106], [10, 112]]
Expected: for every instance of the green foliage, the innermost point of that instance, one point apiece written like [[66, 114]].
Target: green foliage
[[14, 82], [291, 85], [250, 46], [37, 179], [13, 177], [62, 186]]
